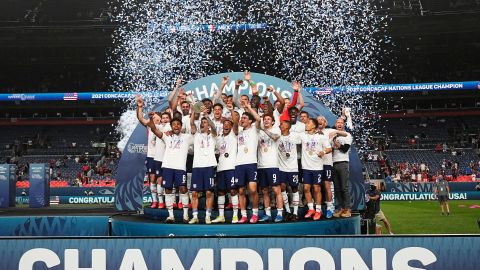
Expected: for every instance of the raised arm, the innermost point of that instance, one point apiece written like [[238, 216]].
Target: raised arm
[[213, 128], [257, 117], [219, 92], [301, 103], [279, 98], [171, 103], [154, 129], [193, 127], [248, 77], [140, 105], [235, 118], [236, 93], [270, 134], [296, 89]]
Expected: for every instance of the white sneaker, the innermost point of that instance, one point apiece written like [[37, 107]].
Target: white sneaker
[[193, 221], [208, 220], [219, 219]]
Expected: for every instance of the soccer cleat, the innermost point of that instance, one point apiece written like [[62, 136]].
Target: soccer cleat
[[317, 216], [243, 220], [338, 213], [254, 219], [208, 220], [310, 213], [161, 205], [185, 219], [154, 205], [329, 213], [180, 205], [170, 220], [278, 219], [220, 219], [265, 218], [234, 219], [194, 220]]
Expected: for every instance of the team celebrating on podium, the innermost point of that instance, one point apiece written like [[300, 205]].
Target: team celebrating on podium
[[236, 145]]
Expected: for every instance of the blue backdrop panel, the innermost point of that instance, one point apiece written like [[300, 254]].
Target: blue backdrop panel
[[444, 252], [39, 185], [428, 187], [7, 185], [54, 226], [128, 195], [348, 226]]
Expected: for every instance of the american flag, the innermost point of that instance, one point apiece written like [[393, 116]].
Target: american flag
[[70, 96], [324, 91]]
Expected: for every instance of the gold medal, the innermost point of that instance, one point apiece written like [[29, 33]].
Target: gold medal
[[245, 149], [310, 152], [265, 149]]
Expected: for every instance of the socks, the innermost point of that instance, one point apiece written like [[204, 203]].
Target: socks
[[235, 205], [169, 198], [318, 208], [160, 192], [153, 190], [310, 206], [296, 200], [254, 211], [184, 201], [244, 213], [285, 201], [221, 205], [330, 206], [279, 211], [268, 211]]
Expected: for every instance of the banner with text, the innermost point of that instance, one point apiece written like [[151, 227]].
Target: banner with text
[[279, 253]]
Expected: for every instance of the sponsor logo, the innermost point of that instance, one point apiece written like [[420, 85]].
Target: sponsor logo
[[137, 148]]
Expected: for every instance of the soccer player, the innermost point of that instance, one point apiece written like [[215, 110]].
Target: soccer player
[[204, 163], [164, 126], [288, 165], [246, 163], [227, 149], [174, 166], [328, 161], [155, 118], [268, 173], [314, 147]]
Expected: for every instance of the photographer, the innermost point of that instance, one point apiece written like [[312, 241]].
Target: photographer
[[373, 196]]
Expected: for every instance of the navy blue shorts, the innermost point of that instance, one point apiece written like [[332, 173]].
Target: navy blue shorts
[[245, 173], [291, 178], [157, 167], [327, 173], [174, 178], [226, 180], [203, 179], [312, 177], [269, 177], [149, 164]]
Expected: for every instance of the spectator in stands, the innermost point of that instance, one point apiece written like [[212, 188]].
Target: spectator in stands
[[438, 148], [374, 198], [441, 190]]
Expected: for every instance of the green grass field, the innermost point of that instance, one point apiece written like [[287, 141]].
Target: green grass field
[[424, 217]]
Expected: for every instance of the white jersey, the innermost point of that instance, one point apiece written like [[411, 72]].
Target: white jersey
[[312, 144], [227, 149], [267, 149], [226, 113], [339, 155], [276, 116], [204, 150], [247, 141], [328, 159], [150, 143], [299, 127], [287, 152], [159, 143], [176, 149], [218, 126]]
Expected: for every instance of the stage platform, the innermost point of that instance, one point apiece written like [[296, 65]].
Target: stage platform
[[105, 221]]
